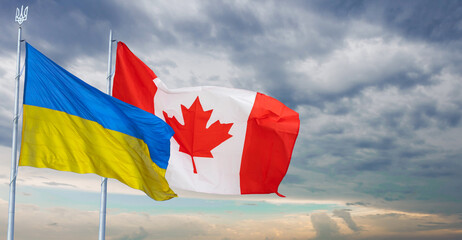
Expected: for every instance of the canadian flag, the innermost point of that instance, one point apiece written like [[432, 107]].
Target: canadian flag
[[227, 141]]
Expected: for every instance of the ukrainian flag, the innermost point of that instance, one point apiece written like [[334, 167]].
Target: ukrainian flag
[[69, 125]]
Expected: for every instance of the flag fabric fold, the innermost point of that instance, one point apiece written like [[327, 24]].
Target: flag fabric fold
[[227, 141], [69, 125]]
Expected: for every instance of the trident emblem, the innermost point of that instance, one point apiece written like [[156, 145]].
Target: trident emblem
[[21, 16]]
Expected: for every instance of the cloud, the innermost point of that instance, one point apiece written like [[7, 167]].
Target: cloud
[[357, 203], [59, 184], [346, 216], [32, 222], [419, 20], [422, 19], [363, 63], [139, 235], [400, 225], [381, 134], [38, 222], [325, 227], [7, 88]]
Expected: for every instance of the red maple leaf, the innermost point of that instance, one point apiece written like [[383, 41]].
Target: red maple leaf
[[194, 137]]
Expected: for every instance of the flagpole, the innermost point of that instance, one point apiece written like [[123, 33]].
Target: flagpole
[[21, 16], [102, 212]]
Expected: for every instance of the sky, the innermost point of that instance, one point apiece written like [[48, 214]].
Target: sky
[[377, 84]]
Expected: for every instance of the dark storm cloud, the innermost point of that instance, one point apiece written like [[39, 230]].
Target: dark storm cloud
[[332, 129], [54, 27], [257, 41], [338, 8], [348, 150], [398, 70], [422, 114], [429, 20], [249, 38], [236, 26], [409, 20], [385, 154], [446, 166], [67, 30], [383, 143], [378, 164], [240, 32]]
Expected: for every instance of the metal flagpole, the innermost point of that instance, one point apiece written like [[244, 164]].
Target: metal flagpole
[[102, 211], [21, 16]]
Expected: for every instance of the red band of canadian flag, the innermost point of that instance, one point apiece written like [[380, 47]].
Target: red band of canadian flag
[[272, 129]]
